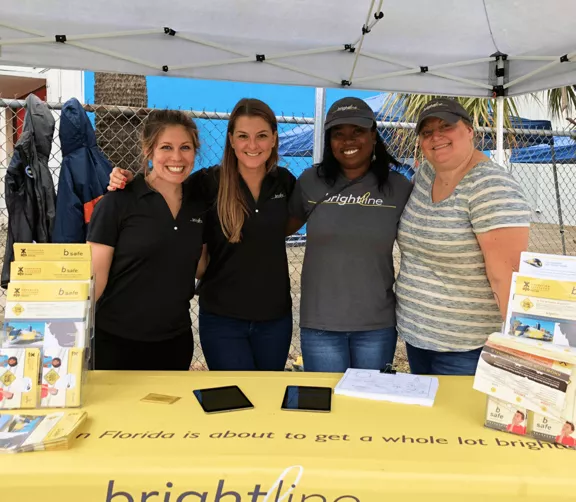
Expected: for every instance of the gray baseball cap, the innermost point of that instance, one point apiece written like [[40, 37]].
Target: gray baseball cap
[[446, 109], [350, 111]]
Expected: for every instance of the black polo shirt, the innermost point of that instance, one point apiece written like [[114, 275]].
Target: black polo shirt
[[249, 280], [152, 276]]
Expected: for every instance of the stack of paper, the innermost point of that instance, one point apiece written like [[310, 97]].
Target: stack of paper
[[514, 374], [23, 433], [397, 388]]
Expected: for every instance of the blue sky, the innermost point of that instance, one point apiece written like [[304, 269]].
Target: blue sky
[[221, 96]]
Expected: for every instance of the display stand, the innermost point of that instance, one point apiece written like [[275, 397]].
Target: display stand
[[529, 370], [46, 342]]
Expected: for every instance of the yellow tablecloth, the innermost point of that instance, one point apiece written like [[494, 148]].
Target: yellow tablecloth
[[132, 451]]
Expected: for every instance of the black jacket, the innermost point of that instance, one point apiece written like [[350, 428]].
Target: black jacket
[[29, 188]]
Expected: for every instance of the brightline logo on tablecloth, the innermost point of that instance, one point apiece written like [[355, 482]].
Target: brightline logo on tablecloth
[[281, 491], [221, 494]]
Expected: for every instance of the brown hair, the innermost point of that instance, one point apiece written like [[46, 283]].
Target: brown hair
[[156, 123], [231, 204]]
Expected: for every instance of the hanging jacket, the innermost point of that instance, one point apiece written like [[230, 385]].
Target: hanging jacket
[[28, 187], [84, 175]]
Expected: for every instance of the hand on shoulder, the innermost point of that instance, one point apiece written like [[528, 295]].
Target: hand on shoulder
[[119, 178]]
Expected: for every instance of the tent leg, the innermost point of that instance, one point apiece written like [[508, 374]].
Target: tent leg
[[319, 109], [558, 200], [500, 131]]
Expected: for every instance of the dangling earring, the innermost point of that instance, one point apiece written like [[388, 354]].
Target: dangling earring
[[374, 153], [149, 164]]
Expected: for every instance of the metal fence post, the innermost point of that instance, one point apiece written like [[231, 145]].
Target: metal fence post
[[319, 108]]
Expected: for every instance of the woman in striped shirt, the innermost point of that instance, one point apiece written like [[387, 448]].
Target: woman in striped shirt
[[461, 235]]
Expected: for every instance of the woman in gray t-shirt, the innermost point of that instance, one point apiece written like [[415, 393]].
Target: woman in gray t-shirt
[[352, 204], [461, 236]]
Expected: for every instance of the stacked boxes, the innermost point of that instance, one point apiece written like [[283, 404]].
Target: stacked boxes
[[49, 311]]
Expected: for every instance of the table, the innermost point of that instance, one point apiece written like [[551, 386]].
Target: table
[[132, 451]]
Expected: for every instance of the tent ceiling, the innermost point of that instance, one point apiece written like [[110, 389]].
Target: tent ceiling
[[454, 39]]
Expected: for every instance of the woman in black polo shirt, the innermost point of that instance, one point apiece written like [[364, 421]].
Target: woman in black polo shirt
[[245, 304], [146, 244]]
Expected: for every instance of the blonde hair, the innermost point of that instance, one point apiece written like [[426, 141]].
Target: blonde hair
[[231, 203], [156, 123]]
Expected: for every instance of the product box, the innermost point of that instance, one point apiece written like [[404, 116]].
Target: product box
[[553, 431], [19, 370], [503, 416], [51, 270], [61, 382], [52, 252]]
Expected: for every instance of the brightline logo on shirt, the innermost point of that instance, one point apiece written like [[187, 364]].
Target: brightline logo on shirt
[[361, 200]]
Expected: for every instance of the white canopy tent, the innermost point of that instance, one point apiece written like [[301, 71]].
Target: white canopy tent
[[450, 47]]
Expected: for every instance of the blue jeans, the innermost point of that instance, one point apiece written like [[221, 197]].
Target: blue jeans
[[235, 345], [430, 362], [336, 351]]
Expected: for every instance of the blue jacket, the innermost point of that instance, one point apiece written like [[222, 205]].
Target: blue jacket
[[84, 175]]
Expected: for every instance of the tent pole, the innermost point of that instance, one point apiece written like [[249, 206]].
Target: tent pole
[[500, 131], [319, 108], [558, 200]]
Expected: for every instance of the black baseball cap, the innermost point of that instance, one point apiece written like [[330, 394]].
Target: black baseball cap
[[351, 111], [446, 109]]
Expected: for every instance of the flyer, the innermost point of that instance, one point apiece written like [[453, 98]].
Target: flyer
[[542, 309]]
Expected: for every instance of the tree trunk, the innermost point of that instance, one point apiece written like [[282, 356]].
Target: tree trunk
[[118, 135]]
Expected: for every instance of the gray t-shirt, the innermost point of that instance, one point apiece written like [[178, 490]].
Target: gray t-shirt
[[348, 271], [445, 301]]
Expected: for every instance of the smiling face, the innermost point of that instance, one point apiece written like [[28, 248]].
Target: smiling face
[[352, 146], [567, 429], [446, 146], [173, 155], [252, 141], [518, 418]]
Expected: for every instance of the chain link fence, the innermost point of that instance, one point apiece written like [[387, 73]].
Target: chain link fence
[[544, 162]]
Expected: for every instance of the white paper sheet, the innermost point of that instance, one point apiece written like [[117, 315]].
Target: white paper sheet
[[399, 388]]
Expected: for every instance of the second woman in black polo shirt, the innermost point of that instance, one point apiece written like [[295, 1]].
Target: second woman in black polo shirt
[[245, 304], [146, 244]]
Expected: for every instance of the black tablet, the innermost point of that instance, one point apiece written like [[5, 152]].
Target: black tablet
[[303, 398], [220, 399]]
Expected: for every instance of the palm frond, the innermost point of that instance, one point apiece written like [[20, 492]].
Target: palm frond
[[562, 102], [403, 142]]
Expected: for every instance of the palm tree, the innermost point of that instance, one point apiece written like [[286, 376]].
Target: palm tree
[[403, 142], [118, 133]]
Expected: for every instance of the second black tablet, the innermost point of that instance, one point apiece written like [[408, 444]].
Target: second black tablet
[[303, 398]]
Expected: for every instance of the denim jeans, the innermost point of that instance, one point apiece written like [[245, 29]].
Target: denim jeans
[[336, 351], [236, 345], [431, 362]]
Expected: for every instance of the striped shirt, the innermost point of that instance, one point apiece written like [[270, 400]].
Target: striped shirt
[[444, 299]]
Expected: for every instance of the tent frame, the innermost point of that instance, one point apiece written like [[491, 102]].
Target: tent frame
[[374, 15]]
